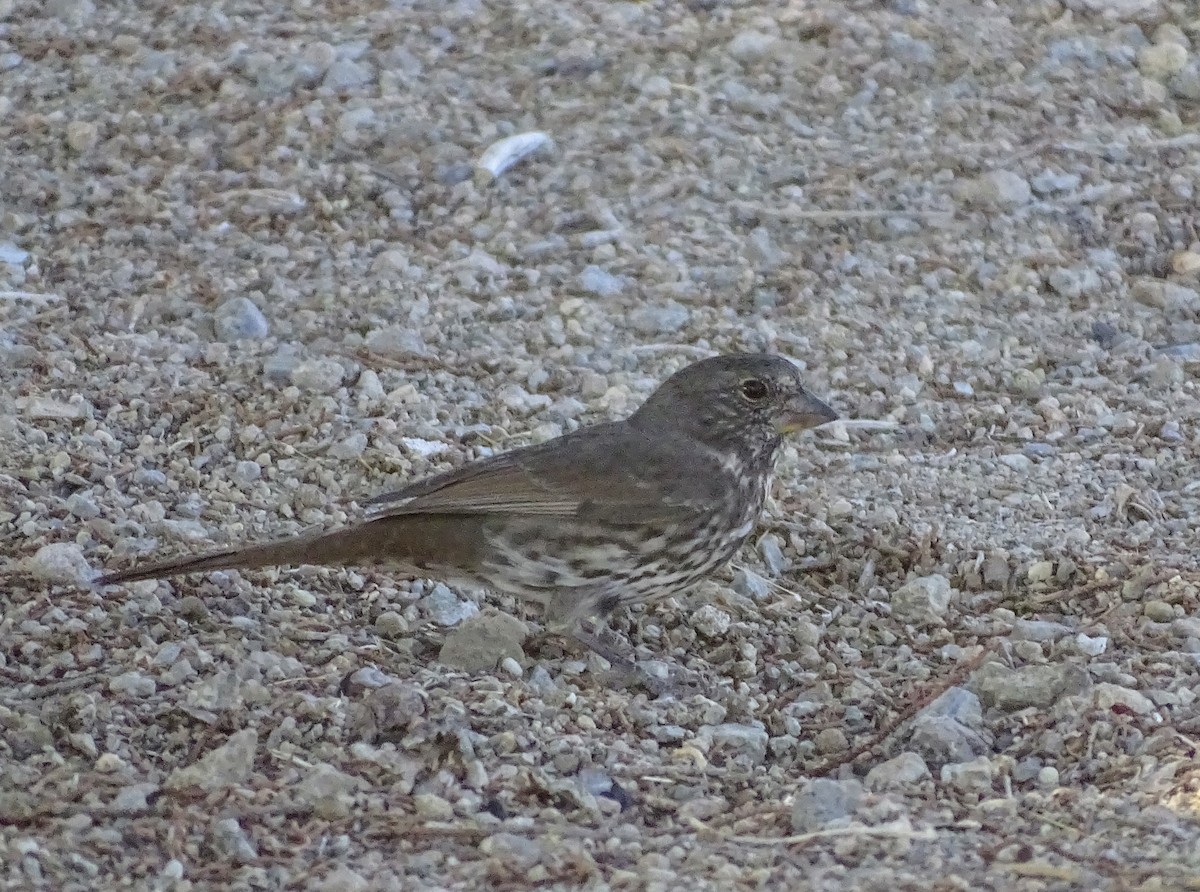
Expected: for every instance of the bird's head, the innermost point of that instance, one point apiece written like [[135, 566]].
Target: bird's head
[[739, 402]]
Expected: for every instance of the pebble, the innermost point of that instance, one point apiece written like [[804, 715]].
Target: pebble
[[975, 775], [347, 74], [218, 769], [751, 46], [1108, 695], [240, 319], [320, 375], [902, 771], [1158, 611], [133, 684], [941, 740], [710, 621], [998, 188], [432, 807], [1159, 61], [482, 641], [923, 601], [736, 741], [133, 799], [831, 740], [1039, 630], [1040, 685], [446, 608], [60, 563], [599, 282], [825, 803], [230, 842], [350, 448], [750, 585], [325, 791], [342, 879], [660, 319], [247, 471], [772, 554], [391, 624]]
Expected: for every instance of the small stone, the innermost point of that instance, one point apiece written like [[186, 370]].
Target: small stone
[[341, 879], [480, 642], [1018, 461], [600, 282], [60, 563], [998, 188], [278, 367], [772, 554], [432, 807], [132, 800], [230, 842], [350, 448], [1047, 778], [751, 46], [133, 684], [445, 607], [831, 740], [321, 375], [82, 136], [1039, 630], [346, 74], [247, 471], [940, 740], [738, 740], [391, 624], [83, 506], [1159, 61], [1158, 611], [904, 770], [923, 601], [227, 765], [240, 319], [750, 585], [660, 319], [326, 792], [826, 803], [1039, 685], [710, 621], [1108, 696], [973, 775], [1091, 646]]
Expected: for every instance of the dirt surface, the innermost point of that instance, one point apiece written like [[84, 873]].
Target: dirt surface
[[250, 270]]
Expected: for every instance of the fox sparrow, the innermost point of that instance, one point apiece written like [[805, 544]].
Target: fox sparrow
[[608, 515]]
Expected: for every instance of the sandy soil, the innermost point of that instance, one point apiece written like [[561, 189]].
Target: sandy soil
[[250, 271]]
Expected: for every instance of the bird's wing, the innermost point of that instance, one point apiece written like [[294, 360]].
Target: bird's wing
[[600, 472]]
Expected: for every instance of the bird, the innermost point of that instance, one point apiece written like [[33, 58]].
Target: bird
[[609, 515]]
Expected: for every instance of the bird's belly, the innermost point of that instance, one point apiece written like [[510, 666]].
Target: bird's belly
[[583, 569]]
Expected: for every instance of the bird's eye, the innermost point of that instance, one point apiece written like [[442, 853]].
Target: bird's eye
[[754, 390]]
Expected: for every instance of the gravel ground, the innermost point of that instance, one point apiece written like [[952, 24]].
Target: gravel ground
[[251, 269]]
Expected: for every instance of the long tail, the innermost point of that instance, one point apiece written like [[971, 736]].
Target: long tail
[[338, 547], [414, 541]]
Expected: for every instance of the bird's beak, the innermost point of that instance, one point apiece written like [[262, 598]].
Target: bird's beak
[[802, 412]]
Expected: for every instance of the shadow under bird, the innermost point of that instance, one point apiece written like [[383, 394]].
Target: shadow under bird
[[608, 515]]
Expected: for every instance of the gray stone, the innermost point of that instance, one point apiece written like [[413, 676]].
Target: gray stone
[[940, 740], [659, 319], [904, 770], [749, 584], [1039, 686], [218, 769], [58, 563], [320, 375], [482, 641], [922, 601], [230, 842], [446, 608], [240, 319], [737, 740], [600, 282], [825, 803], [326, 792]]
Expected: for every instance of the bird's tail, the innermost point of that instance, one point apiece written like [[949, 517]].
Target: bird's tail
[[341, 546]]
